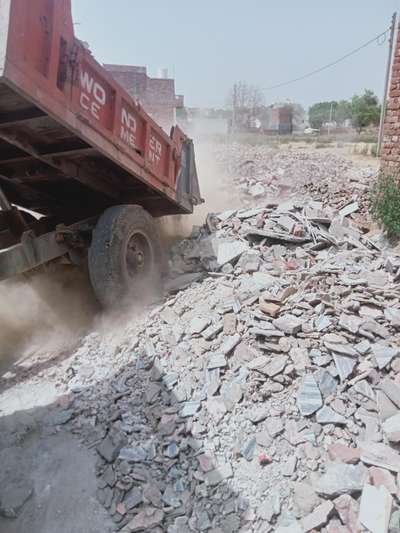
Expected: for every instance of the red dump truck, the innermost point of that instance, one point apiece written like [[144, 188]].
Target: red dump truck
[[79, 151]]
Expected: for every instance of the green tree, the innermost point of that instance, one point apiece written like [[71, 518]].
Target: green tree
[[365, 110], [320, 113], [342, 111]]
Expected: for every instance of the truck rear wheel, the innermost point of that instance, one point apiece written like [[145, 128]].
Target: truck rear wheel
[[125, 255]]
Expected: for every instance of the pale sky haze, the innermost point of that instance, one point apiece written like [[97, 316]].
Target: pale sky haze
[[208, 45]]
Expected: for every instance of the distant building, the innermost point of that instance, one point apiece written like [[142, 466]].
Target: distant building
[[272, 120], [277, 119], [156, 95]]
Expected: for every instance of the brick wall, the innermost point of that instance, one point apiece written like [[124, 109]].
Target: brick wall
[[157, 95], [390, 151]]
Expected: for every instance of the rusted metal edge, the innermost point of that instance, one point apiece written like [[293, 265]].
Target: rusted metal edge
[[30, 253]]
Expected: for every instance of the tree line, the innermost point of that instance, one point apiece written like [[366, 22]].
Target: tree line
[[361, 111]]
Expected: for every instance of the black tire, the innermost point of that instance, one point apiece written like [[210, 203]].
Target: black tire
[[125, 256]]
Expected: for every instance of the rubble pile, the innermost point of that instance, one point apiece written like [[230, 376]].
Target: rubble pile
[[261, 171], [263, 397]]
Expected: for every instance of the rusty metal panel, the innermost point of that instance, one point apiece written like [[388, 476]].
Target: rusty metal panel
[[29, 254], [52, 71], [94, 97]]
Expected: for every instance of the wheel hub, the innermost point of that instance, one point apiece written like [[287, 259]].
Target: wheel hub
[[138, 255]]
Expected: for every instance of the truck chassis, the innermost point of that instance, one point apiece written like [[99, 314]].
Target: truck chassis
[[81, 162]]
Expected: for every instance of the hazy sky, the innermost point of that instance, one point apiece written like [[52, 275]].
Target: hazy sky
[[209, 44]]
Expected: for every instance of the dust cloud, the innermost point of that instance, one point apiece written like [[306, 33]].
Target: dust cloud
[[215, 189], [44, 314], [52, 310]]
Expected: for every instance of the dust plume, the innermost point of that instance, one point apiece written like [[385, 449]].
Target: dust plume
[[44, 314], [50, 311], [216, 189]]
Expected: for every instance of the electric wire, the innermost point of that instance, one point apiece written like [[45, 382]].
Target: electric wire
[[329, 65]]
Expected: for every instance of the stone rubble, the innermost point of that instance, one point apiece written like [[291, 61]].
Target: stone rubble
[[264, 394], [261, 171]]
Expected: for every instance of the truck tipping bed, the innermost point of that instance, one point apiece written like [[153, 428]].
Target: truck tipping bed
[[72, 141]]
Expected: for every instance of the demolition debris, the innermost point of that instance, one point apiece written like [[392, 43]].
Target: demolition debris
[[264, 393]]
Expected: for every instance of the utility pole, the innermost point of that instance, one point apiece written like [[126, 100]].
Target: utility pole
[[330, 119], [234, 103], [386, 87]]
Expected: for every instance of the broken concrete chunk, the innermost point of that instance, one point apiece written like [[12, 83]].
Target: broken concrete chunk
[[305, 497], [249, 262], [216, 408], [289, 468], [229, 251], [326, 415], [348, 209], [147, 519], [217, 360], [350, 323], [322, 322], [370, 311], [375, 508], [364, 388], [380, 476], [348, 510], [341, 479], [391, 427], [363, 347], [257, 414], [318, 518], [229, 344], [198, 325], [376, 329], [258, 362], [257, 190], [384, 354], [378, 454], [392, 315], [189, 409], [249, 449], [229, 324], [110, 447], [309, 398], [345, 454], [206, 462], [326, 382], [386, 408], [170, 497], [169, 316], [274, 426], [222, 472], [341, 349], [133, 498], [344, 366], [275, 367], [392, 391], [232, 394], [212, 331], [269, 508], [289, 324], [135, 454]]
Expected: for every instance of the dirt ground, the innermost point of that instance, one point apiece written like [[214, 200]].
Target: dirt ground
[[60, 473], [52, 470]]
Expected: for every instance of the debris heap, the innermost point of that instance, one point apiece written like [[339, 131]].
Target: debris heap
[[266, 395], [264, 172]]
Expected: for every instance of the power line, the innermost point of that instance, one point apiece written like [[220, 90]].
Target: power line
[[313, 72]]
